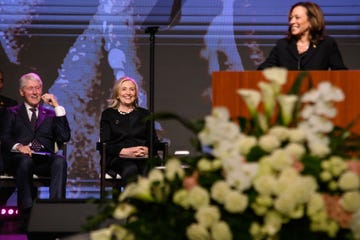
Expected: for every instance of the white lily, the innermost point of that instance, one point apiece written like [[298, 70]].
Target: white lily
[[252, 99], [268, 95], [287, 104]]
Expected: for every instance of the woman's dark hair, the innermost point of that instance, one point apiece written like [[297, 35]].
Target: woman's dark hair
[[316, 19]]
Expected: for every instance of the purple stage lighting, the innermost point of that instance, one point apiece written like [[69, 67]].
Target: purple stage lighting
[[9, 211]]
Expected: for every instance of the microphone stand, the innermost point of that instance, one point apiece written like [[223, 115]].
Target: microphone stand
[[152, 31]]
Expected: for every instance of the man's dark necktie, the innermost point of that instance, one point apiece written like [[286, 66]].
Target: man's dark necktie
[[35, 145], [33, 118]]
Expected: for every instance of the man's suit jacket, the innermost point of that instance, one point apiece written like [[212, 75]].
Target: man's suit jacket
[[49, 128]]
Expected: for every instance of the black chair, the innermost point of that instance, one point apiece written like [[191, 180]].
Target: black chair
[[7, 181], [116, 182]]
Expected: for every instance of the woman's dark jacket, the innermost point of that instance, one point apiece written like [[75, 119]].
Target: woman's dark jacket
[[324, 56]]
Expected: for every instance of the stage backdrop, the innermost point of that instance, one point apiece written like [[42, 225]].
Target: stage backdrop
[[79, 47]]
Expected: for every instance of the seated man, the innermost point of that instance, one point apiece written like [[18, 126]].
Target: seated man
[[29, 128]]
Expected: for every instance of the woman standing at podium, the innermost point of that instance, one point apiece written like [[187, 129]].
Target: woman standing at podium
[[305, 47]]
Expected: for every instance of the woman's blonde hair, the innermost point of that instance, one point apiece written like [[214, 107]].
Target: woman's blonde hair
[[114, 101]]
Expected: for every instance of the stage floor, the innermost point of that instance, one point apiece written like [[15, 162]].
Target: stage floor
[[11, 228]]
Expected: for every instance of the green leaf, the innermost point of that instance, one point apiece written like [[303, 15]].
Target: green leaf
[[255, 154], [299, 81]]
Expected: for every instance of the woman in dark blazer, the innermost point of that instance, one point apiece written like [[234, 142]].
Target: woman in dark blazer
[[306, 47], [125, 129]]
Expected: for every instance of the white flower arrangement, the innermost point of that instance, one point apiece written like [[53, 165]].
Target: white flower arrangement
[[281, 179]]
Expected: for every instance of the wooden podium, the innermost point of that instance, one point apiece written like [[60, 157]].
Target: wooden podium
[[225, 84]]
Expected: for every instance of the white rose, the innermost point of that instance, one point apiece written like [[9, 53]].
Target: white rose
[[320, 124], [285, 204], [173, 169], [197, 232], [333, 185], [295, 149], [273, 223], [269, 142], [282, 133], [241, 178], [219, 191], [181, 197], [264, 184], [198, 197], [337, 165], [207, 215], [325, 109], [286, 180], [216, 164], [221, 231], [246, 143], [221, 113], [304, 188], [264, 200], [101, 234], [121, 233], [204, 165], [256, 231], [319, 149], [332, 227], [325, 176], [155, 175], [315, 204], [355, 225], [350, 201], [296, 135], [262, 204], [236, 202], [123, 210], [349, 181], [280, 159], [140, 190], [329, 92], [307, 111]]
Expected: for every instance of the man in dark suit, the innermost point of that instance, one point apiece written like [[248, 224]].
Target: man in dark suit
[[31, 128]]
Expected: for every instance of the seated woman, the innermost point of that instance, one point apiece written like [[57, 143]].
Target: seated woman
[[126, 132]]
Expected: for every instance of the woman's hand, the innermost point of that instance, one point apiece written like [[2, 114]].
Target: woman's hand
[[138, 151]]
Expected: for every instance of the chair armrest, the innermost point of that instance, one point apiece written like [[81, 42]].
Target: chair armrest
[[62, 148]]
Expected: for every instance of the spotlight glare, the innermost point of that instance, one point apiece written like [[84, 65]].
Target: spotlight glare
[[9, 211]]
